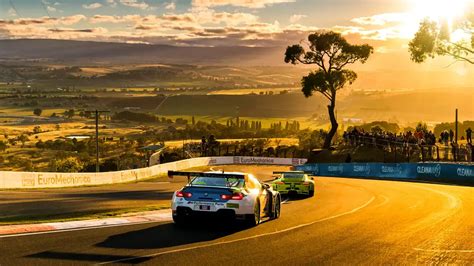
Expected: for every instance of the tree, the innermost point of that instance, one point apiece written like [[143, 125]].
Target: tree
[[69, 113], [68, 165], [37, 130], [421, 127], [436, 39], [37, 111], [330, 53], [23, 139], [3, 146]]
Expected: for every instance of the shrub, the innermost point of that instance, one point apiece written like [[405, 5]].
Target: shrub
[[67, 165]]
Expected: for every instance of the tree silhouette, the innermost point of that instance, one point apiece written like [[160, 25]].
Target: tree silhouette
[[435, 39], [3, 146], [37, 111], [331, 53]]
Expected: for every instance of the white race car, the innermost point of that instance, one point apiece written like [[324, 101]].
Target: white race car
[[233, 195]]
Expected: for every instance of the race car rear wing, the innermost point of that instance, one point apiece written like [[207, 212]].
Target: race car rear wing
[[203, 174], [289, 172]]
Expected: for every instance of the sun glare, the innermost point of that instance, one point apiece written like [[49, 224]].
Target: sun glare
[[439, 10]]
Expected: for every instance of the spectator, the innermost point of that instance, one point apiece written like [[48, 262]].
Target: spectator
[[451, 135], [203, 146], [348, 158], [472, 151], [454, 151], [469, 135]]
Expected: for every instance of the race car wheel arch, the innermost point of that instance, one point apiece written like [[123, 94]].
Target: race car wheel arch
[[254, 219], [179, 219]]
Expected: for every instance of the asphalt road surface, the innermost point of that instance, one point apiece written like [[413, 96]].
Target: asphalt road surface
[[59, 203], [348, 221]]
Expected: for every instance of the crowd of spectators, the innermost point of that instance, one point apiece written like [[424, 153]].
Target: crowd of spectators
[[419, 137]]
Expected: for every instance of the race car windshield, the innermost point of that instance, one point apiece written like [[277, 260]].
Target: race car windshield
[[217, 182]]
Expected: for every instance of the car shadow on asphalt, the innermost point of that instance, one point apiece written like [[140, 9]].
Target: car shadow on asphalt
[[170, 235], [166, 235], [290, 198]]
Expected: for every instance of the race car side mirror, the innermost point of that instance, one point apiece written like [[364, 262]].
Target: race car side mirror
[[265, 186], [312, 178]]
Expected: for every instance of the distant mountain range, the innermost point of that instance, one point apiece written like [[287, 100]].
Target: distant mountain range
[[87, 52]]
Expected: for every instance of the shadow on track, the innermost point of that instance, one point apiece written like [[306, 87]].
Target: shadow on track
[[289, 198], [161, 236], [171, 235]]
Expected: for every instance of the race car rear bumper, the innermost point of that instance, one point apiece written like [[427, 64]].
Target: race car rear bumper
[[221, 213], [294, 192]]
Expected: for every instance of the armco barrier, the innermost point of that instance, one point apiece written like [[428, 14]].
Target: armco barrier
[[15, 180], [416, 171]]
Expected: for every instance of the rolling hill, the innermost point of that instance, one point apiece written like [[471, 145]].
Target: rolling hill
[[86, 52]]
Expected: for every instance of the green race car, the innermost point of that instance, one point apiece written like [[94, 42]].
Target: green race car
[[293, 182]]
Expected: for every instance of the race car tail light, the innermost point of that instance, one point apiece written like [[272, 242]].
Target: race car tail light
[[306, 184], [235, 196], [280, 183], [226, 196], [182, 194]]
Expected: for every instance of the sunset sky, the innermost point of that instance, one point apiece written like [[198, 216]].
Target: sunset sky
[[386, 24]]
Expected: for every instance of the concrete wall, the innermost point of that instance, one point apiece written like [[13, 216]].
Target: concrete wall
[[16, 180]]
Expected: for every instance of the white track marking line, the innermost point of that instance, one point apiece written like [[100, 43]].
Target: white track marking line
[[242, 239], [454, 203], [446, 250], [385, 200]]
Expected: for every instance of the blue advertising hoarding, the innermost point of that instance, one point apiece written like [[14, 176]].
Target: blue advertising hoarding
[[413, 171]]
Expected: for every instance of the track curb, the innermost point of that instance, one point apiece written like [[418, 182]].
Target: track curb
[[132, 218]]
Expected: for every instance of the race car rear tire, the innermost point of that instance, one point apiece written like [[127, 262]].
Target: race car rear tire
[[254, 219], [311, 193], [179, 220], [276, 212]]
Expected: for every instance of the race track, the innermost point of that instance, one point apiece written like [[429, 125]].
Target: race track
[[348, 221]]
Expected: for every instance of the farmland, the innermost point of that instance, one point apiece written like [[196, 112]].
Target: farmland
[[181, 103]]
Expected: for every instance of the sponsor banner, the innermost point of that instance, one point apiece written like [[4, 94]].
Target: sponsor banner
[[9, 180], [257, 160], [422, 171]]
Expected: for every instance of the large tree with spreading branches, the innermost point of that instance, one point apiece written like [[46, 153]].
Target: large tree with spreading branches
[[330, 53], [440, 38]]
